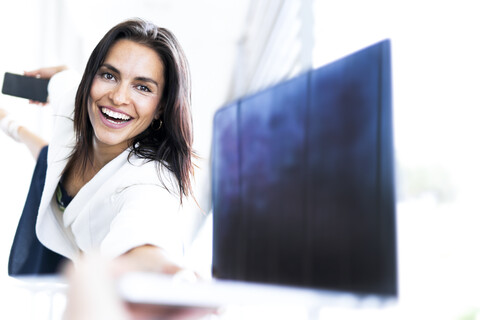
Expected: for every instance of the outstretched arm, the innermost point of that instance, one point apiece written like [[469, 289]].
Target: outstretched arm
[[33, 142], [92, 294], [21, 134]]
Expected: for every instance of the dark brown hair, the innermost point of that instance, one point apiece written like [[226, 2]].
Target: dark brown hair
[[171, 145]]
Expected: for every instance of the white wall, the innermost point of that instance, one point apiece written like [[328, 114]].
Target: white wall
[[18, 28]]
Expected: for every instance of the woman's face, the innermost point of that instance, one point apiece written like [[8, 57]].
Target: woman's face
[[124, 95]]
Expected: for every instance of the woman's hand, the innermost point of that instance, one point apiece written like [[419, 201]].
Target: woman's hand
[[9, 125], [146, 258], [19, 133], [3, 114], [92, 290], [44, 73]]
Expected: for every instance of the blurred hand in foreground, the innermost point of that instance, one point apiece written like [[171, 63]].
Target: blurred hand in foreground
[[92, 295]]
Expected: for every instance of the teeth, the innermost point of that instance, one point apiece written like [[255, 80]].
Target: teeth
[[116, 115]]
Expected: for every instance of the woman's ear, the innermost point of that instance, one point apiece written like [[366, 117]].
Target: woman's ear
[[158, 114]]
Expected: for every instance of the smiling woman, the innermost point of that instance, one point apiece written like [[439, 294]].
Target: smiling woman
[[118, 173], [124, 101], [119, 94], [131, 69]]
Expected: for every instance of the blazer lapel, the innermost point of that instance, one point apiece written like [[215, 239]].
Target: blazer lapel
[[48, 228], [90, 189]]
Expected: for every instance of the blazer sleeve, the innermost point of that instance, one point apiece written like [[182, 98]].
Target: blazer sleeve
[[62, 83], [62, 89], [147, 214]]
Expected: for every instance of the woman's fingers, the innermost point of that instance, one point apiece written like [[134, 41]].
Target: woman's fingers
[[44, 73]]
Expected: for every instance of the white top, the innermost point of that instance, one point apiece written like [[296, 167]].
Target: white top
[[123, 206]]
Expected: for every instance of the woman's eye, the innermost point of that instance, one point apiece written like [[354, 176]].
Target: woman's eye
[[107, 76], [143, 88]]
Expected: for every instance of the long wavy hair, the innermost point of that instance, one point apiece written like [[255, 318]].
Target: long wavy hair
[[171, 145]]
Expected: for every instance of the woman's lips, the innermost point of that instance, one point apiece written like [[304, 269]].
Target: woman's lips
[[113, 118]]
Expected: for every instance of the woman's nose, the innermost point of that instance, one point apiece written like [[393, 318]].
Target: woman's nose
[[120, 94]]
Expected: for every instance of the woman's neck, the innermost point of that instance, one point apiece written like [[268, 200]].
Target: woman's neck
[[103, 154], [76, 176]]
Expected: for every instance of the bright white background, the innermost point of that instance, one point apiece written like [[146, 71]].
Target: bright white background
[[435, 62], [435, 50]]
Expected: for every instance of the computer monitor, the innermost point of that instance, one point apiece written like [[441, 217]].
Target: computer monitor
[[303, 180]]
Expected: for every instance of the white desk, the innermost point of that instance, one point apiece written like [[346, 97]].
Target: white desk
[[44, 298]]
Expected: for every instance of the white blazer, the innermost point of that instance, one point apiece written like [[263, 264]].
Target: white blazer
[[123, 206]]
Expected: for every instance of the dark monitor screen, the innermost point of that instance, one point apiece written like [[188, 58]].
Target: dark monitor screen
[[303, 180]]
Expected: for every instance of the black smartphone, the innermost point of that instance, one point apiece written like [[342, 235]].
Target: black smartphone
[[25, 87]]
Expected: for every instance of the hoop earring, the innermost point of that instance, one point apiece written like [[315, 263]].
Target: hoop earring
[[159, 125]]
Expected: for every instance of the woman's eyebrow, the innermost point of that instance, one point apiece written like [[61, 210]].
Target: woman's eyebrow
[[145, 79], [111, 68], [115, 70]]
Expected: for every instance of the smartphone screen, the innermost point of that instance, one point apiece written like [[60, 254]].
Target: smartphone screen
[[25, 87]]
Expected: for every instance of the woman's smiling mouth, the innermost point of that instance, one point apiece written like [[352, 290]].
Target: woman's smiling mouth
[[114, 119]]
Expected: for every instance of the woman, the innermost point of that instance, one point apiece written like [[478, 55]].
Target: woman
[[118, 173]]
